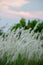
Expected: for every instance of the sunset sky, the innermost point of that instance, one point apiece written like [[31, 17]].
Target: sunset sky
[[11, 11]]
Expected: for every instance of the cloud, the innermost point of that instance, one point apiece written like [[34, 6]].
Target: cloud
[[14, 3], [4, 7], [5, 4], [17, 14], [38, 14], [7, 13]]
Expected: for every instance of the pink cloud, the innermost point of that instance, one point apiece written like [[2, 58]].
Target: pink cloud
[[14, 3], [16, 14], [7, 13], [38, 14]]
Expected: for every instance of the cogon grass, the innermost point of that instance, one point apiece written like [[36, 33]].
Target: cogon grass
[[26, 50]]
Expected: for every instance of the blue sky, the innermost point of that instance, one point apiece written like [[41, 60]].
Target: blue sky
[[11, 11]]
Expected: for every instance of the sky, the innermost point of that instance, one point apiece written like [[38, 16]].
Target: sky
[[11, 11]]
